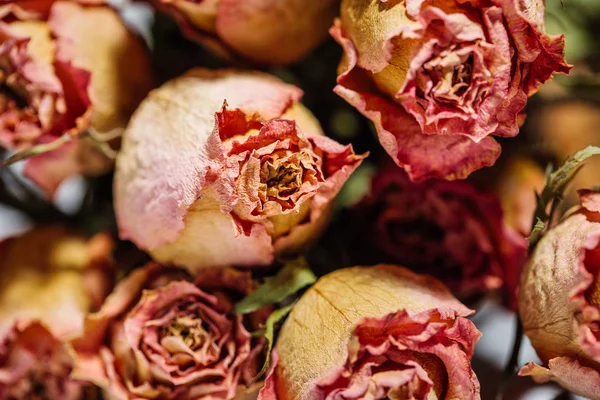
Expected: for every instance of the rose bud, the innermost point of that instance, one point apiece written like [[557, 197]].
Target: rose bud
[[439, 79], [275, 32], [63, 78], [559, 301], [375, 333], [50, 279], [34, 364], [225, 168], [54, 275], [160, 335], [450, 230]]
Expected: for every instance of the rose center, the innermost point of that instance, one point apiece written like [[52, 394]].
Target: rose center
[[13, 98], [192, 331], [451, 75]]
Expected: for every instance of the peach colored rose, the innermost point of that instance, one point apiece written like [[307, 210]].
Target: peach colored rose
[[49, 279], [272, 32], [450, 230], [375, 333], [54, 275], [160, 335], [34, 364], [225, 168], [439, 78], [559, 301], [61, 75]]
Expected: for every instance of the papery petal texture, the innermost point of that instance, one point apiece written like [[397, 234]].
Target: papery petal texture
[[374, 332], [444, 76], [161, 335], [251, 171], [57, 86], [558, 300]]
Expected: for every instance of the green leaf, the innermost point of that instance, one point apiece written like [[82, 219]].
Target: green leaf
[[294, 276], [537, 230], [269, 335]]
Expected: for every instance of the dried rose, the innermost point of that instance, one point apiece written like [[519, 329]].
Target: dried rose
[[438, 78], [60, 75], [54, 275], [275, 32], [225, 168], [50, 278], [559, 301], [34, 364], [450, 230], [160, 335], [375, 332]]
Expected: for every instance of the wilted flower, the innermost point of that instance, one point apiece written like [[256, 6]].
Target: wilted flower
[[226, 168], [161, 336], [49, 279], [375, 332], [34, 364], [450, 230], [62, 75], [559, 301], [260, 31], [439, 78], [54, 275]]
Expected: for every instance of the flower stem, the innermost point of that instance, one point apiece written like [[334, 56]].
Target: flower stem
[[513, 361]]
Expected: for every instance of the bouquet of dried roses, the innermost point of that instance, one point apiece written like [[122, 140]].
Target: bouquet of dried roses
[[260, 199]]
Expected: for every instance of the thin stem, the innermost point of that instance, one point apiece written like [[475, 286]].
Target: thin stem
[[513, 361]]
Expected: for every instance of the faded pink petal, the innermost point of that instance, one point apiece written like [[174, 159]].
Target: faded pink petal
[[247, 175], [400, 135], [374, 332], [462, 69], [32, 359], [383, 360], [568, 373], [160, 335], [450, 230]]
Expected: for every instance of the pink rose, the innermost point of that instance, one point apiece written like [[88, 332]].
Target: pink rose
[[559, 301], [159, 335], [375, 332], [439, 79], [225, 168], [50, 279], [34, 364], [62, 75], [447, 229], [272, 32]]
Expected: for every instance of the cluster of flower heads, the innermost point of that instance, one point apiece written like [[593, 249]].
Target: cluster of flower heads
[[220, 173]]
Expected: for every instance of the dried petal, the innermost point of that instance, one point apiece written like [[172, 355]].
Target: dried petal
[[260, 31], [342, 335], [160, 335], [251, 171], [459, 70]]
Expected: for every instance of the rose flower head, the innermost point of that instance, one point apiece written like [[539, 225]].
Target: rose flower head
[[61, 79], [450, 230], [559, 301], [50, 279], [439, 78], [274, 32], [379, 332], [225, 168], [160, 335]]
